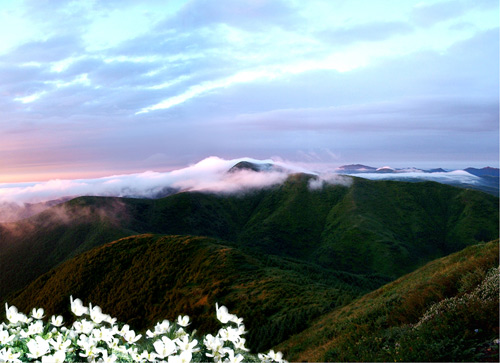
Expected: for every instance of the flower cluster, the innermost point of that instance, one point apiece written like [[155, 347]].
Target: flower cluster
[[487, 290], [96, 337]]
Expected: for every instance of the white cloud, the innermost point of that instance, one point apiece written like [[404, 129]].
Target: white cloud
[[209, 174], [31, 98]]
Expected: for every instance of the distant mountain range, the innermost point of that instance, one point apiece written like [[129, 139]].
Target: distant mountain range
[[485, 179], [359, 168]]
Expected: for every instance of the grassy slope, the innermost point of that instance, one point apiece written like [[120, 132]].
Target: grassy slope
[[360, 330], [33, 246], [381, 227], [147, 278]]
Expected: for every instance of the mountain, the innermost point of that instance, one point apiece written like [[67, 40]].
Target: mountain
[[385, 169], [247, 165], [355, 168], [445, 311], [485, 180], [286, 258], [488, 171], [368, 227], [10, 211], [147, 278], [436, 170]]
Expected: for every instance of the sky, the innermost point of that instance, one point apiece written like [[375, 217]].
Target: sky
[[92, 88]]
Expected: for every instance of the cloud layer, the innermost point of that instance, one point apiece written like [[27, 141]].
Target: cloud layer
[[210, 174]]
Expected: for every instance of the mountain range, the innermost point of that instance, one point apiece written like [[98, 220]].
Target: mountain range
[[484, 179], [285, 257], [22, 200]]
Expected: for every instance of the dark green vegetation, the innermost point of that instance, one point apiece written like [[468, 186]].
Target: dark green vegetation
[[278, 257], [444, 311], [145, 279], [381, 227]]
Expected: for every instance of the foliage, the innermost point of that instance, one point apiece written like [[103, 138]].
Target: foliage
[[434, 313], [146, 278], [96, 337], [371, 227], [288, 259]]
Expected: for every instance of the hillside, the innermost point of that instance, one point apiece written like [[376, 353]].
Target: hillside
[[444, 311], [386, 228], [144, 279]]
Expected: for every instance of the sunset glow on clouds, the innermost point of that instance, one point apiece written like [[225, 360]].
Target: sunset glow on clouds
[[96, 88]]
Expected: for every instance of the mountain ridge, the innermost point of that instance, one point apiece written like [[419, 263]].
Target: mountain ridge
[[396, 225]]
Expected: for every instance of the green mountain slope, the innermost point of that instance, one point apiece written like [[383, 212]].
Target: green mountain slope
[[444, 311], [144, 279], [382, 227]]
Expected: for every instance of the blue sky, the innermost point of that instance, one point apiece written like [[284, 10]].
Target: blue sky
[[93, 88]]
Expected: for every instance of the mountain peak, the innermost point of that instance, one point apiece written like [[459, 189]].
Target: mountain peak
[[487, 171], [256, 167], [356, 168]]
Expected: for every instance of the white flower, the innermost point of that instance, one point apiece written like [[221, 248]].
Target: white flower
[[125, 329], [130, 336], [56, 320], [37, 347], [165, 347], [223, 314], [185, 345], [216, 345], [151, 357], [33, 329], [96, 314], [240, 344], [103, 334], [83, 326], [85, 342], [184, 357], [88, 345], [12, 314], [6, 355], [134, 353], [180, 333], [60, 343], [108, 319], [57, 357], [37, 313], [278, 356], [183, 321], [263, 357], [241, 329], [24, 319], [77, 307], [232, 358], [5, 337], [160, 328], [107, 359], [229, 334]]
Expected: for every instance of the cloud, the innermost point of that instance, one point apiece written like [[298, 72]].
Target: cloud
[[374, 31], [244, 78], [210, 174], [430, 14], [451, 177], [42, 51], [422, 113], [246, 13]]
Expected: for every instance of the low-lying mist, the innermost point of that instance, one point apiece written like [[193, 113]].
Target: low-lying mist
[[212, 174]]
